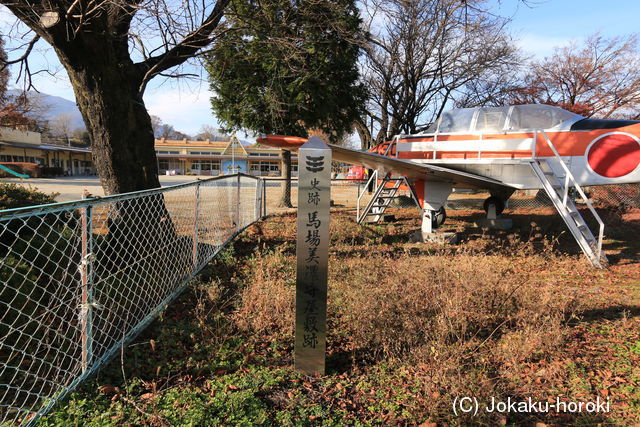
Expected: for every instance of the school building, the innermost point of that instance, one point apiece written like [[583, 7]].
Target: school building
[[18, 146], [219, 157]]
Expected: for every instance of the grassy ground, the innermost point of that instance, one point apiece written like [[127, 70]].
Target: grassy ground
[[412, 327]]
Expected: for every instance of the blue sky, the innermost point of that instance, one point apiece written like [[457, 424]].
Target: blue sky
[[548, 23], [538, 28]]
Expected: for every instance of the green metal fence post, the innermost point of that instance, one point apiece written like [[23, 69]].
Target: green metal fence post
[[86, 294], [238, 226], [195, 225]]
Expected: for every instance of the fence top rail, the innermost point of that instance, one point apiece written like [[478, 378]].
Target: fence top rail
[[14, 213]]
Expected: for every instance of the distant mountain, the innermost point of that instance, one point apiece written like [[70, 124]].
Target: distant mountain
[[53, 106]]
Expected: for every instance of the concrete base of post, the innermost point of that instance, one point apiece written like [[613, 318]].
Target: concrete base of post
[[384, 218], [495, 224], [442, 237]]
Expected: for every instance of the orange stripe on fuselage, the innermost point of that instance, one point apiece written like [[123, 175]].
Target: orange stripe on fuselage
[[568, 143], [465, 154], [576, 143]]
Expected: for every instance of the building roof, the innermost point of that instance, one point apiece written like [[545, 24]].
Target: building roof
[[222, 145], [46, 147], [188, 143]]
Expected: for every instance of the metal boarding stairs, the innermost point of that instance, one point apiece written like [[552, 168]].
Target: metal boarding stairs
[[384, 194], [557, 179], [382, 197]]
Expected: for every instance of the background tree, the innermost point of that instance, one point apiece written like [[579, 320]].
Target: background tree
[[81, 136], [61, 126], [14, 110], [207, 132], [111, 50], [421, 55], [286, 67], [167, 131], [14, 113], [598, 78], [156, 125], [4, 73]]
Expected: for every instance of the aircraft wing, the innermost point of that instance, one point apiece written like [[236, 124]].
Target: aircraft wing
[[414, 170]]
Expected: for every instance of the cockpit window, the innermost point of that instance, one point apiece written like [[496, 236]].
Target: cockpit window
[[507, 118], [497, 119], [538, 116], [433, 127], [491, 118], [456, 120]]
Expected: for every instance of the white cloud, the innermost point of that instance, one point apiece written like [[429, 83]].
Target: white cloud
[[184, 109]]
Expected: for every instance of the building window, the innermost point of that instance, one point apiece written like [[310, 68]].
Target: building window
[[203, 153], [167, 152], [205, 165], [266, 168]]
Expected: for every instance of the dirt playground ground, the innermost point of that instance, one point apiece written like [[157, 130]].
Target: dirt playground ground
[[71, 187]]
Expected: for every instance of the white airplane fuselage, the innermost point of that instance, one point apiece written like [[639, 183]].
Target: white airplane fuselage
[[594, 157]]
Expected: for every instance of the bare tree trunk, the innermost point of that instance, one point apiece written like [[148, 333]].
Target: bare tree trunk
[[107, 91], [285, 201], [364, 134]]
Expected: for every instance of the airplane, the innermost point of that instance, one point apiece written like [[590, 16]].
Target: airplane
[[502, 149]]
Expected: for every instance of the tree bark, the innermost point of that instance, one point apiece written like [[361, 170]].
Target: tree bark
[[360, 126], [285, 201], [107, 92]]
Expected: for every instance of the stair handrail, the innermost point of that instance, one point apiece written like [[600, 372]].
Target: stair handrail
[[393, 142], [569, 177], [374, 176]]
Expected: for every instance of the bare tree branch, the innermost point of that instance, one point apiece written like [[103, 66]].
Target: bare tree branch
[[24, 56], [187, 48], [421, 53], [601, 78]]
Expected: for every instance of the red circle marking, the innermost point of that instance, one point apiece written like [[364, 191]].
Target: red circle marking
[[614, 155]]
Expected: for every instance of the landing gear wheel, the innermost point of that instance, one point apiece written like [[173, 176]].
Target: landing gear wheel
[[493, 200], [438, 217]]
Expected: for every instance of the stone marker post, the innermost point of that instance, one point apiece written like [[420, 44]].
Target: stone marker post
[[314, 191]]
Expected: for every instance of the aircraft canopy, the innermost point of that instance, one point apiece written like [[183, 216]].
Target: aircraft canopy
[[507, 118]]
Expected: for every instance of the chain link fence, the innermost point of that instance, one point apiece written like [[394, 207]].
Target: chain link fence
[[604, 196], [623, 195], [344, 194], [79, 279]]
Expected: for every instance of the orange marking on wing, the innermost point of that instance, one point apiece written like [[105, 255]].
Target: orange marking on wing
[[281, 141], [418, 186]]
